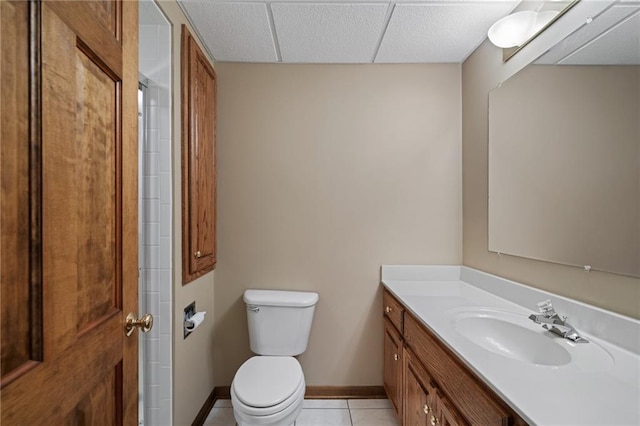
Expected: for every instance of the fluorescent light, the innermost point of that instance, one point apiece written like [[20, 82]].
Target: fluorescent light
[[542, 19]]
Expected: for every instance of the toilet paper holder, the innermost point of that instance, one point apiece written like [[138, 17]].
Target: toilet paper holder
[[192, 319]]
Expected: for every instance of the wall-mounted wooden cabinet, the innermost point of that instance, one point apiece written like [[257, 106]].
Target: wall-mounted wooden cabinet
[[198, 161]]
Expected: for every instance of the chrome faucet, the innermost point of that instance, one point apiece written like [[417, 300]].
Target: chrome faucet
[[555, 323]]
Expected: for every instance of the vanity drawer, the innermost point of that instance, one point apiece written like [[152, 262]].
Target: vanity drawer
[[392, 309], [472, 398]]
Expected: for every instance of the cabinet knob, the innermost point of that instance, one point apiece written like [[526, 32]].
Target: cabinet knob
[[434, 421], [426, 409], [197, 254], [387, 309], [395, 357]]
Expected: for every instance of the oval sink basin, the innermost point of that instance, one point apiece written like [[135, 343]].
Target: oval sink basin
[[509, 335]]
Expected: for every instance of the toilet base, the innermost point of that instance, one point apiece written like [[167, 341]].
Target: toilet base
[[289, 420], [250, 424]]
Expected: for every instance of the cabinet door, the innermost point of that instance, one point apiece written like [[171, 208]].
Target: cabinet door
[[198, 161], [416, 398], [446, 413], [393, 366], [425, 404]]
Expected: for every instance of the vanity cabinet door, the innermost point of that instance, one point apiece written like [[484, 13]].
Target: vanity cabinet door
[[425, 404], [417, 401], [393, 366], [446, 414]]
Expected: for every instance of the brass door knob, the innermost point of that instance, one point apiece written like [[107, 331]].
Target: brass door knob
[[145, 323]]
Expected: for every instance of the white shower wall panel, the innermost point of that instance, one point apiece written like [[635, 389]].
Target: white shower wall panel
[[155, 65]]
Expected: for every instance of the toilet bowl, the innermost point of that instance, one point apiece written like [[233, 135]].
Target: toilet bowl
[[268, 390]]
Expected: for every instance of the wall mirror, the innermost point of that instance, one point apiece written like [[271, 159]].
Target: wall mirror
[[564, 150]]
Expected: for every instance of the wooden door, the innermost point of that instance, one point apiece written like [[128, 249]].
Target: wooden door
[[69, 212]]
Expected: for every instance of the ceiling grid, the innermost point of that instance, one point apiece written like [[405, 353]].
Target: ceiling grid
[[337, 31], [398, 31]]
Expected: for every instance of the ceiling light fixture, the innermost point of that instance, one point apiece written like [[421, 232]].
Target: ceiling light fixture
[[516, 29]]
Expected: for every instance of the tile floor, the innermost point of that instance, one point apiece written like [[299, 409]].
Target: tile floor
[[322, 412]]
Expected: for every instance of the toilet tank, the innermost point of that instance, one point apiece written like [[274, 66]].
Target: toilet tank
[[279, 321]]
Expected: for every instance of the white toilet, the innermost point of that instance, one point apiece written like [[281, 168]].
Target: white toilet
[[269, 389]]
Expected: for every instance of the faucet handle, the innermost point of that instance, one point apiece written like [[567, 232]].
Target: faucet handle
[[546, 308]]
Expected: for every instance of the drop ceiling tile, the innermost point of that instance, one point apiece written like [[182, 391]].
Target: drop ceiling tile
[[439, 32], [618, 46], [233, 31], [328, 32]]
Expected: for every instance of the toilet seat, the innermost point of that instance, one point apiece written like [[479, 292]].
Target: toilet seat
[[267, 385], [276, 415]]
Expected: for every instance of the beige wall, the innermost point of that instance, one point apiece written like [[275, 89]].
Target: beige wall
[[324, 174], [192, 360], [481, 72]]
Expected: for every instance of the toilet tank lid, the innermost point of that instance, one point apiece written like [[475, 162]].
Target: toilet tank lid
[[300, 299]]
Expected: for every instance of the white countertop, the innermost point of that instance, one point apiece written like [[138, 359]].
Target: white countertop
[[599, 386]]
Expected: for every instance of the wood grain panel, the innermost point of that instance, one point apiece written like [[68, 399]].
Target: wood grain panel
[[99, 38], [198, 161], [203, 158], [129, 242], [95, 205], [108, 14], [79, 178], [425, 402], [472, 397], [392, 356], [54, 389], [99, 406], [447, 413], [392, 309], [14, 203], [415, 396]]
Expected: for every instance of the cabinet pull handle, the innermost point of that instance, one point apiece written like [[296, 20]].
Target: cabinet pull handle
[[426, 409], [395, 357], [387, 309], [434, 421], [197, 254]]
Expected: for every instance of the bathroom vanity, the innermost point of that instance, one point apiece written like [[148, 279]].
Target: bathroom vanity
[[420, 372], [459, 348]]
